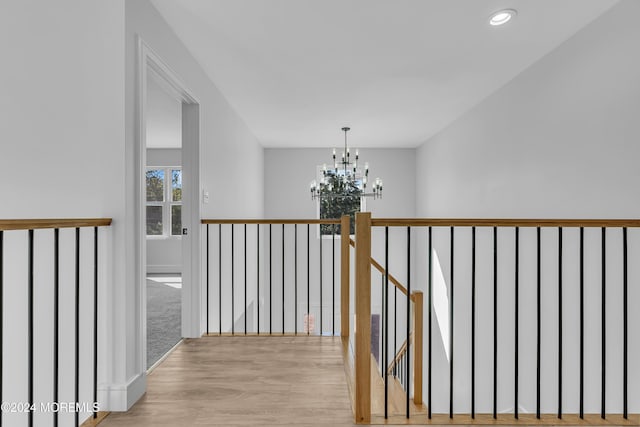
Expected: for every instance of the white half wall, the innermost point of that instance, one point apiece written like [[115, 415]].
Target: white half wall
[[62, 155]]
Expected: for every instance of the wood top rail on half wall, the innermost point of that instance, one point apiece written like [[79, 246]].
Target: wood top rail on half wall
[[32, 224], [510, 222], [270, 221]]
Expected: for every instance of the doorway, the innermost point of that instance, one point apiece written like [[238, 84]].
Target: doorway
[[168, 243], [163, 181]]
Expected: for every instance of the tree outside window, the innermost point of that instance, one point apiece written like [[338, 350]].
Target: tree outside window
[[339, 197], [164, 201]]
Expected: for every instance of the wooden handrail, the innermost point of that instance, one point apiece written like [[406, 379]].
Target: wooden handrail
[[401, 351], [270, 221], [488, 222], [381, 269], [416, 337], [32, 224]]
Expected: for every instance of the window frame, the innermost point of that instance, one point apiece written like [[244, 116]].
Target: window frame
[[167, 204]]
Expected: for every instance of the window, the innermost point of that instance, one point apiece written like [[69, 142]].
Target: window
[[346, 201], [164, 201]]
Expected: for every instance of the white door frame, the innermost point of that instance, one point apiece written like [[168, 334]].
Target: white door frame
[[150, 62]]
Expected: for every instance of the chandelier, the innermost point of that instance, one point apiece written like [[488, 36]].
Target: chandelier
[[346, 179]]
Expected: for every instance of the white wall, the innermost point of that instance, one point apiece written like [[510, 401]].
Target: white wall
[[565, 129], [62, 112], [164, 116], [560, 140], [164, 157], [62, 150], [231, 165], [288, 173], [68, 150]]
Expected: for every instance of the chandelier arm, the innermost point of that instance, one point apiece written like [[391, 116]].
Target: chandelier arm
[[325, 188]]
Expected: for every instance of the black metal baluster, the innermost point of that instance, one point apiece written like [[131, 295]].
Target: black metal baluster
[[404, 371], [582, 322], [385, 339], [451, 330], [495, 323], [220, 279], [429, 338], [95, 319], [321, 268], [282, 279], [56, 319], [395, 327], [538, 338], [30, 338], [382, 320], [245, 279], [270, 283], [408, 347], [333, 278], [516, 306], [295, 278], [405, 366], [207, 292], [473, 322], [233, 313], [559, 322], [624, 324], [308, 278], [604, 323], [77, 346], [257, 279]]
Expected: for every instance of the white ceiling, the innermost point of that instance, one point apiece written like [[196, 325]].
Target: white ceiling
[[396, 71]]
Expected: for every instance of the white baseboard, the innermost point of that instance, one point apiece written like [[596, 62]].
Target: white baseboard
[[164, 269], [121, 397]]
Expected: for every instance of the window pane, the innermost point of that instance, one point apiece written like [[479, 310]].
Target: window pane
[[154, 220], [176, 185], [342, 199], [176, 220], [155, 185]]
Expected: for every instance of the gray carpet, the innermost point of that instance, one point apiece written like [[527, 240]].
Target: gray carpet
[[163, 320]]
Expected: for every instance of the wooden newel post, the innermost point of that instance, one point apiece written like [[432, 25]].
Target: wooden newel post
[[418, 304], [363, 319], [345, 235]]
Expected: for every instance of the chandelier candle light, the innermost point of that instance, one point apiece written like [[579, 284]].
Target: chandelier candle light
[[345, 179]]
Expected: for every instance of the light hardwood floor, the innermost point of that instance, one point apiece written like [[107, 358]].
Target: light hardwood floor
[[275, 381], [251, 381]]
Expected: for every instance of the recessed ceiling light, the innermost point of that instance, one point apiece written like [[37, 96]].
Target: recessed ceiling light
[[502, 17]]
